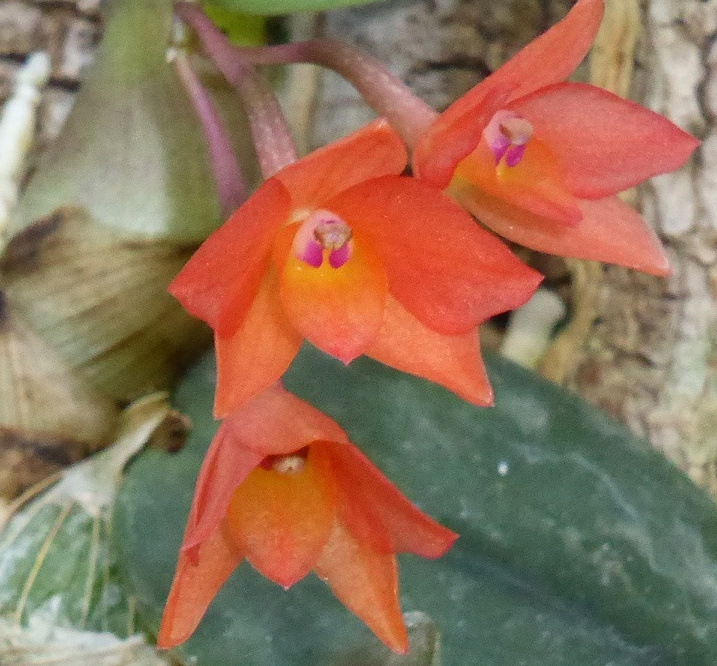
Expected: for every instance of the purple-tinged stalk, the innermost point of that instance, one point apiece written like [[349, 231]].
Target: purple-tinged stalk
[[227, 173], [384, 92], [390, 97], [272, 138]]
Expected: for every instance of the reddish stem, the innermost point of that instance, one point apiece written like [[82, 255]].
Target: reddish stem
[[227, 174], [274, 145], [390, 97]]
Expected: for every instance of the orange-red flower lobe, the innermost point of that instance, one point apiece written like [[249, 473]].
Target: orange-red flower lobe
[[345, 240], [530, 155], [291, 508]]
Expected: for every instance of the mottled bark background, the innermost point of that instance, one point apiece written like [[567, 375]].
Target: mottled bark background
[[643, 348]]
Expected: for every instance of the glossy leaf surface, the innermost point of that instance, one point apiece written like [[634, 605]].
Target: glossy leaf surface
[[579, 545]]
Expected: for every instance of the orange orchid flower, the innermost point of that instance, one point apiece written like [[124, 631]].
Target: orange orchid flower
[[340, 249], [539, 160], [283, 487]]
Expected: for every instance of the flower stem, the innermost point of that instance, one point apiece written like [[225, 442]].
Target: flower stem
[[390, 97], [272, 138], [227, 173]]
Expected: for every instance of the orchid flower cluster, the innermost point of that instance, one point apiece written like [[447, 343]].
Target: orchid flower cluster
[[342, 249]]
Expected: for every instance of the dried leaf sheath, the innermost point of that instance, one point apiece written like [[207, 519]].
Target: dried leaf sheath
[[99, 298], [88, 282], [50, 416]]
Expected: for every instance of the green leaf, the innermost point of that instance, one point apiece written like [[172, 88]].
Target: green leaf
[[580, 545], [132, 152], [241, 29], [274, 7]]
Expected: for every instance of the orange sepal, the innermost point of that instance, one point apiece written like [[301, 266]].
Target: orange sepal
[[453, 361], [443, 268], [283, 520], [220, 281], [605, 143], [372, 151], [225, 466], [258, 353], [338, 310], [536, 184], [366, 582], [610, 231], [194, 586], [548, 59], [376, 512], [276, 422]]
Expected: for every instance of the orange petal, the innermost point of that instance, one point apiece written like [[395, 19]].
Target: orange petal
[[536, 184], [276, 422], [258, 353], [374, 150], [442, 267], [222, 278], [376, 512], [338, 310], [283, 519], [195, 585], [548, 59], [610, 231], [453, 361], [606, 144], [366, 582], [226, 464]]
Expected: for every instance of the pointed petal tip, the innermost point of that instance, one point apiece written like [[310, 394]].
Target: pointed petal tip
[[166, 640], [658, 265], [448, 537], [399, 643], [286, 582], [347, 359], [223, 406], [226, 404], [484, 396], [285, 574], [391, 631], [341, 353], [478, 396]]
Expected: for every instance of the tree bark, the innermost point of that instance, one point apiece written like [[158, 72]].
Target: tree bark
[[441, 48], [651, 357], [68, 31]]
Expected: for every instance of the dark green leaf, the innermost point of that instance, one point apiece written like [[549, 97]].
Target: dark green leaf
[[580, 545]]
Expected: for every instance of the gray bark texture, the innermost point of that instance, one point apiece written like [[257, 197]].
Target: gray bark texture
[[441, 48], [651, 356]]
